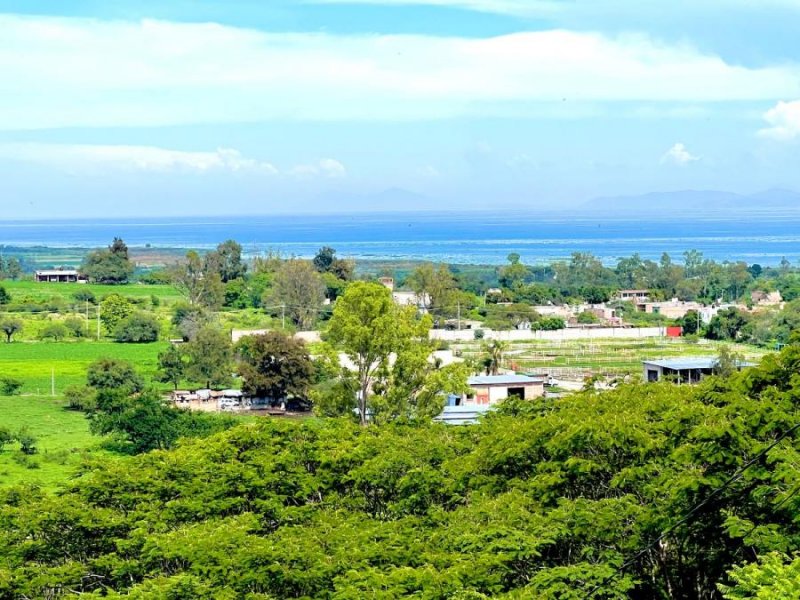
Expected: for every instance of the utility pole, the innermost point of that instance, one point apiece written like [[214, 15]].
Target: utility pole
[[88, 323], [283, 316], [459, 316], [98, 322]]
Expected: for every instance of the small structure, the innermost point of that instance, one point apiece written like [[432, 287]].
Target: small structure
[[491, 389], [672, 309], [683, 370], [635, 296], [462, 415], [59, 276], [762, 298]]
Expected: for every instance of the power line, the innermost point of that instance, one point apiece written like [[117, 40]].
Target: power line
[[732, 479]]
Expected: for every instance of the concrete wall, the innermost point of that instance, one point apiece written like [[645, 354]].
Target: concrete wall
[[572, 333]]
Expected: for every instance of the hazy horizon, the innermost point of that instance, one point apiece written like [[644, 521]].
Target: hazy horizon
[[145, 108]]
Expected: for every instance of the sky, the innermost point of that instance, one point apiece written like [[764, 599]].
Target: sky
[[116, 108]]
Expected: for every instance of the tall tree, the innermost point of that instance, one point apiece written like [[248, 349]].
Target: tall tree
[[274, 365], [210, 357], [434, 285], [198, 279], [368, 326], [299, 291], [171, 366], [110, 265], [229, 261]]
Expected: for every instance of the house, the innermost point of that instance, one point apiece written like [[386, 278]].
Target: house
[[683, 370], [491, 389], [672, 309], [762, 298], [59, 276], [635, 296]]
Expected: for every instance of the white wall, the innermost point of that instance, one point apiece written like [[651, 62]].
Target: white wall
[[572, 333]]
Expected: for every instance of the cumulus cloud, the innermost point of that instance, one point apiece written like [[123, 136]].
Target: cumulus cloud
[[67, 72], [679, 155], [76, 157], [784, 121]]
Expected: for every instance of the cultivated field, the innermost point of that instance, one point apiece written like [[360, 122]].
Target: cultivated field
[[612, 357]]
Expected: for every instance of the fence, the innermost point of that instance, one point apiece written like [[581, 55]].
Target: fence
[[572, 333]]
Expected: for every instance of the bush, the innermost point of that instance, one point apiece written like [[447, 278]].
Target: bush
[[588, 318], [5, 297], [76, 326], [6, 437], [478, 334], [139, 328], [55, 331], [85, 296], [27, 442], [9, 386], [80, 398]]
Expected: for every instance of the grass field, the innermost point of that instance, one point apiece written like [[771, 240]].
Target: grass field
[[45, 291], [63, 439], [603, 356], [35, 362]]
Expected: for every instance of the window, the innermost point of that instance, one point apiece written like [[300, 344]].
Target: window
[[519, 392]]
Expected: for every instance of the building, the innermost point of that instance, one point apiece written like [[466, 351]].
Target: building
[[762, 298], [462, 415], [491, 389], [635, 296], [683, 370], [672, 309], [59, 276]]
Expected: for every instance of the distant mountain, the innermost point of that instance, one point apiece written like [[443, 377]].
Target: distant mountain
[[699, 201]]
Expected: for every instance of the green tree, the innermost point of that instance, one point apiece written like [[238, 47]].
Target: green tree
[[9, 386], [198, 279], [368, 326], [231, 265], [727, 324], [10, 327], [274, 365], [54, 331], [5, 297], [435, 287], [111, 374], [76, 326], [209, 357], [111, 265], [299, 291], [171, 366], [114, 309], [495, 351], [514, 274], [138, 328]]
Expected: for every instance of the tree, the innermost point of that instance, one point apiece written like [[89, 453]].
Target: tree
[[198, 279], [114, 309], [435, 287], [727, 324], [9, 386], [209, 357], [230, 262], [76, 326], [275, 366], [10, 327], [368, 326], [138, 328], [495, 355], [111, 265], [690, 322], [324, 259], [171, 366], [5, 297], [54, 331], [513, 274], [114, 375], [298, 290], [728, 362]]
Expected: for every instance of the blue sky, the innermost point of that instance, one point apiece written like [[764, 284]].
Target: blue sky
[[145, 108]]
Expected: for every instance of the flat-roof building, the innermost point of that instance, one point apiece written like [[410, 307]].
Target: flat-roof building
[[59, 276], [491, 389], [683, 370]]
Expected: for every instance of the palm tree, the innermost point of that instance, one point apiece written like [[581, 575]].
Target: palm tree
[[495, 350]]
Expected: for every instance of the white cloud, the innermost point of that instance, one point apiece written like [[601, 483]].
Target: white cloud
[[62, 72], [784, 121], [679, 155], [327, 167], [75, 157], [521, 8]]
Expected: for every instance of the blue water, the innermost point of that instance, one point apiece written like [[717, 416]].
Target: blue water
[[477, 238]]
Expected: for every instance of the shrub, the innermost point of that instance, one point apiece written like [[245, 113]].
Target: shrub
[[85, 296], [54, 331], [5, 297], [27, 442], [80, 398], [139, 328], [76, 326], [478, 334], [6, 437], [9, 386]]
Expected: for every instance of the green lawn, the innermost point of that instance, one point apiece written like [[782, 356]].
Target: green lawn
[[45, 291], [35, 362], [63, 438]]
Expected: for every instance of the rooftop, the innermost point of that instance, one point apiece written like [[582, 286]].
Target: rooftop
[[685, 364], [57, 272], [502, 379], [462, 415]]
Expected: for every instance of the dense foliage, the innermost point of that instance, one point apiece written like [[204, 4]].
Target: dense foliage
[[543, 500]]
